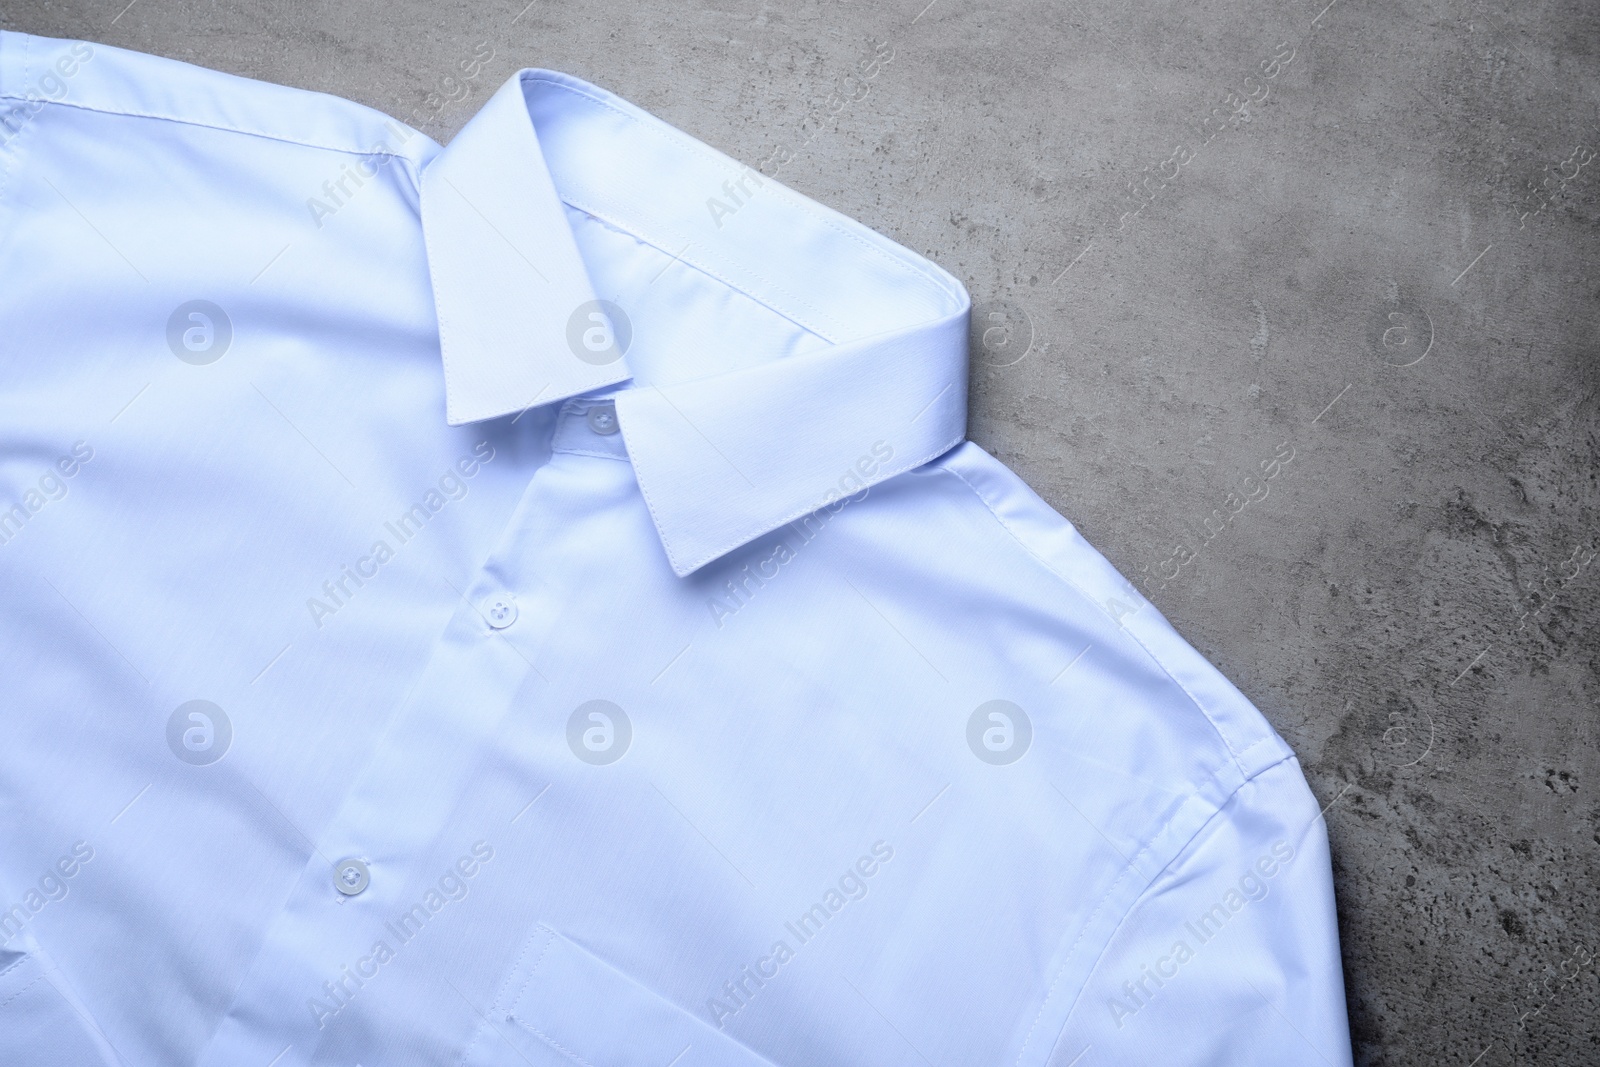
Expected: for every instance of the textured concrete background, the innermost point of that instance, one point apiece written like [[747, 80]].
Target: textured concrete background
[[1204, 236]]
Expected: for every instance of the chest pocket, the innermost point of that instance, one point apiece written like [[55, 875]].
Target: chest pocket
[[38, 1024], [561, 1005]]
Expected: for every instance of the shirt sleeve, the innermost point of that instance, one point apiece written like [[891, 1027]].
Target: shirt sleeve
[[1231, 956]]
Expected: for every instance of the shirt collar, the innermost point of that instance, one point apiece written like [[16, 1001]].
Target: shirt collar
[[722, 459]]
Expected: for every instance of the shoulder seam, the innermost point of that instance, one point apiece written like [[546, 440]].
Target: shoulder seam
[[1041, 561], [181, 121], [7, 154]]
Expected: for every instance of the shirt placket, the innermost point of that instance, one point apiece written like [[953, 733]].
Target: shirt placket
[[367, 866]]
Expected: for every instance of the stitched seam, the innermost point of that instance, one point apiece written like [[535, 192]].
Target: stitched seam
[[679, 139], [1177, 852], [245, 131], [644, 491], [1233, 754], [682, 141], [21, 991], [1111, 890], [1257, 743], [1082, 933], [550, 939], [439, 312], [6, 153], [1106, 898], [1233, 751], [616, 226], [608, 218], [8, 156], [527, 945], [552, 1042], [586, 452], [761, 526]]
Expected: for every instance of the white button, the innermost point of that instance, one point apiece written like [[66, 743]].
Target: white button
[[501, 611], [603, 419], [350, 876]]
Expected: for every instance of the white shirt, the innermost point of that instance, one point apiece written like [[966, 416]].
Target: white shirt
[[530, 601]]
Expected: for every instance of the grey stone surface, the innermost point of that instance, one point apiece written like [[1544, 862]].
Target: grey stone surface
[[1409, 603]]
